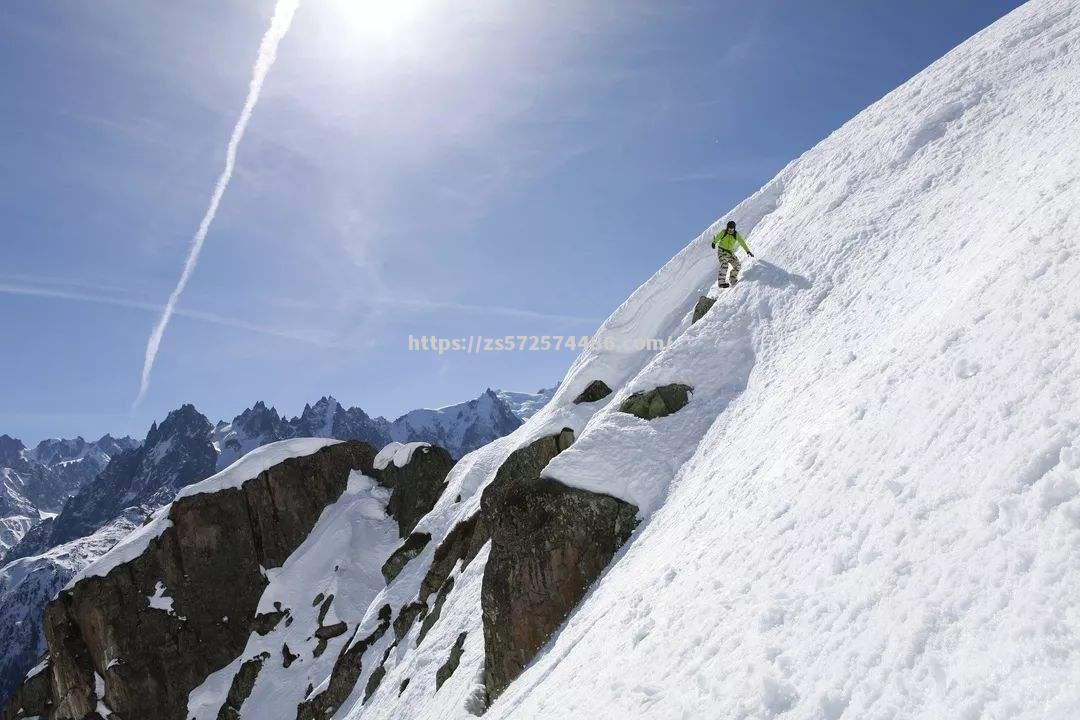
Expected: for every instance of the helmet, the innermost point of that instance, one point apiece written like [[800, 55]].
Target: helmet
[[731, 224]]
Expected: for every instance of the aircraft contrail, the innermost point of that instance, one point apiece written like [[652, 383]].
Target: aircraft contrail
[[279, 26]]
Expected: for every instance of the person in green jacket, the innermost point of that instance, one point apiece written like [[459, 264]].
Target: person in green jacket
[[726, 243]]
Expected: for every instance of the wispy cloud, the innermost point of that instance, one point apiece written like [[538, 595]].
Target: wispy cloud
[[490, 310], [66, 293], [279, 26]]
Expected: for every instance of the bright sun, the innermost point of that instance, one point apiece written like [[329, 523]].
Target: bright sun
[[387, 18]]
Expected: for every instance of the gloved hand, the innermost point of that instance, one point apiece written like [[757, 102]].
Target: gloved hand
[[750, 253]]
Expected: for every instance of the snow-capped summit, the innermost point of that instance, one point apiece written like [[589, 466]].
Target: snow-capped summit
[[174, 454], [459, 428], [525, 405], [255, 427], [38, 481]]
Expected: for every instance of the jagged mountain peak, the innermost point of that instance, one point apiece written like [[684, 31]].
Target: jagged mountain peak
[[11, 450]]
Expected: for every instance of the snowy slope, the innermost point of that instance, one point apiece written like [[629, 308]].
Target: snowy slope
[[871, 506], [339, 560]]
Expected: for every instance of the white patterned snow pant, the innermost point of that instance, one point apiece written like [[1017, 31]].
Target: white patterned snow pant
[[728, 261]]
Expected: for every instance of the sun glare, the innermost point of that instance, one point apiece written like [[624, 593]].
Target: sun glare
[[386, 18]]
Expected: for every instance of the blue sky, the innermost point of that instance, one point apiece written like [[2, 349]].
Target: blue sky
[[414, 167]]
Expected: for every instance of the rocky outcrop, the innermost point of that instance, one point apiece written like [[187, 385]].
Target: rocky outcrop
[[242, 685], [443, 673], [549, 542], [165, 654], [413, 546], [416, 486], [347, 670], [461, 544], [704, 304], [32, 699], [435, 613], [658, 402], [406, 617], [596, 390], [208, 563]]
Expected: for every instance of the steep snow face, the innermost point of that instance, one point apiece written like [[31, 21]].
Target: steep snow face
[[870, 506]]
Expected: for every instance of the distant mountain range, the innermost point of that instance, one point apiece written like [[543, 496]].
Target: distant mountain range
[[35, 483], [66, 502]]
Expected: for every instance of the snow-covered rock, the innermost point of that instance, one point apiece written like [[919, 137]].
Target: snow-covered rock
[[397, 454], [235, 560]]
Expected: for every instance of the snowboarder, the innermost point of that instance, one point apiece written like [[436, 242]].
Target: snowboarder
[[726, 243]]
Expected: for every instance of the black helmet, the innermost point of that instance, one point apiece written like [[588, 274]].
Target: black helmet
[[731, 224]]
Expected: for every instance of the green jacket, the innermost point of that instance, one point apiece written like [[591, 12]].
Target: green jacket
[[726, 241]]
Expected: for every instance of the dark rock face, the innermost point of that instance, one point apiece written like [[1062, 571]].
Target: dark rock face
[[374, 680], [461, 544], [597, 390], [347, 670], [210, 562], [549, 542], [436, 610], [443, 673], [166, 655], [266, 623], [704, 304], [658, 402], [242, 685], [406, 617], [33, 699], [413, 546], [416, 486]]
